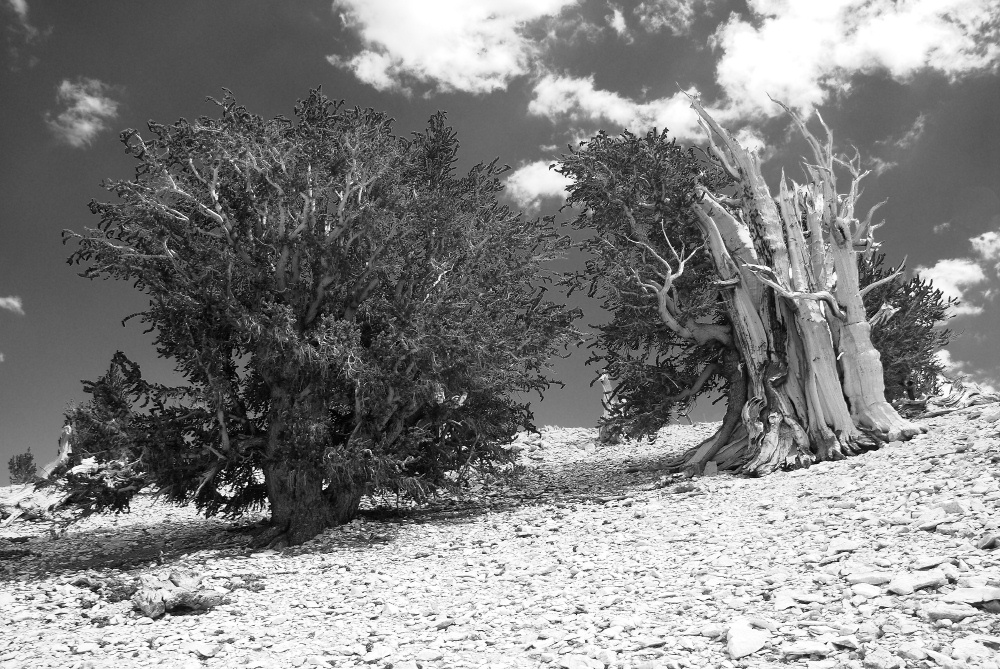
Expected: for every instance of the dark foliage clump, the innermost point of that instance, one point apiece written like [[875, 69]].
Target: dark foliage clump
[[910, 333], [21, 468], [658, 373]]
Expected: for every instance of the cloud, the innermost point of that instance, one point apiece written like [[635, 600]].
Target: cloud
[[953, 277], [559, 97], [87, 108], [677, 16], [20, 32], [617, 23], [452, 45], [12, 303], [987, 245], [913, 134], [802, 53], [944, 358], [954, 369], [942, 228], [529, 184], [897, 145]]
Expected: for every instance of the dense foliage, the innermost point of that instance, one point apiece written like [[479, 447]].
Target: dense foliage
[[658, 373], [350, 314], [911, 333], [21, 468]]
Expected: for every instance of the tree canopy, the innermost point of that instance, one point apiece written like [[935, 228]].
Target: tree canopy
[[647, 264], [349, 313]]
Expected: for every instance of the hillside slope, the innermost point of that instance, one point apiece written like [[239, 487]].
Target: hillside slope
[[868, 562]]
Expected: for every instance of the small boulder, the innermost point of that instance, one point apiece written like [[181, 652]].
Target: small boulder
[[953, 612], [974, 595], [743, 640]]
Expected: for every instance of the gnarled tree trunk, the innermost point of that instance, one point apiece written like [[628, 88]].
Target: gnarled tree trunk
[[810, 386], [302, 503]]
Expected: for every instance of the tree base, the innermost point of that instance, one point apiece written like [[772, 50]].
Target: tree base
[[729, 450], [295, 524]]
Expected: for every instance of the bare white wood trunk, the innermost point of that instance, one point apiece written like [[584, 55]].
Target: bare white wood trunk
[[813, 378]]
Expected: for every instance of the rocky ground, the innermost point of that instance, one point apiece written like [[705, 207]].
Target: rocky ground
[[593, 560]]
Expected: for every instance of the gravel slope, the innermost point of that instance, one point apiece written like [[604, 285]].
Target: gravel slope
[[870, 562]]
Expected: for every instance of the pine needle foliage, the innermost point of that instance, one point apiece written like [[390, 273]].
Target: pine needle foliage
[[21, 468], [908, 340]]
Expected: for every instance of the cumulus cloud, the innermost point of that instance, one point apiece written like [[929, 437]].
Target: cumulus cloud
[[12, 303], [558, 97], [960, 369], [529, 184], [86, 109], [945, 360], [987, 245], [954, 277], [452, 45], [805, 52]]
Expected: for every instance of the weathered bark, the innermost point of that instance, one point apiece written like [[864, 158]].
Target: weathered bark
[[726, 446], [813, 387], [607, 433], [301, 507]]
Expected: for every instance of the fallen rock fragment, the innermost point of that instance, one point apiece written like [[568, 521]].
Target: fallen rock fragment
[[807, 647], [988, 541], [843, 546], [927, 562], [178, 590], [953, 612], [970, 649], [866, 590], [880, 658], [870, 577], [908, 582], [743, 640], [579, 662], [974, 595], [911, 651]]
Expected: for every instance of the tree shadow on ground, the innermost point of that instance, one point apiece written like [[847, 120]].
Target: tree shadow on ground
[[37, 549]]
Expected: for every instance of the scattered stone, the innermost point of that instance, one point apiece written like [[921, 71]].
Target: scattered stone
[[911, 651], [612, 569], [908, 582], [928, 562], [866, 590], [969, 649], [843, 546], [953, 612], [880, 658], [988, 541], [870, 577], [580, 662], [808, 647], [973, 595], [743, 640], [178, 590]]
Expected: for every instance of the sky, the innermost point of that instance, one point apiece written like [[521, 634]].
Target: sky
[[913, 84]]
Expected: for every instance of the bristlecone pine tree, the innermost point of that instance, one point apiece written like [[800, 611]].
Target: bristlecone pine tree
[[351, 316], [906, 318], [754, 294], [21, 468]]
